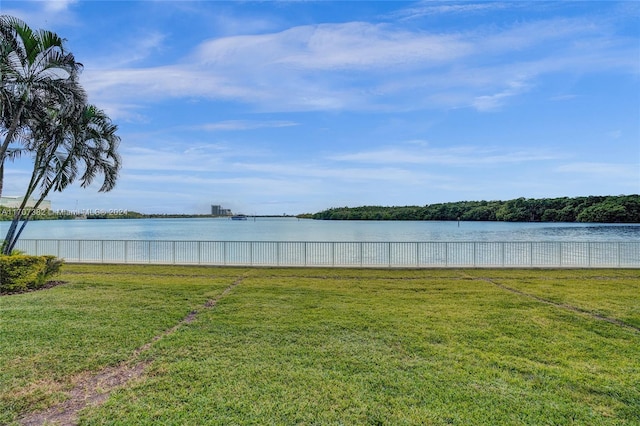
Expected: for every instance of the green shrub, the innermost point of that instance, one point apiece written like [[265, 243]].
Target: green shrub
[[20, 272], [51, 268]]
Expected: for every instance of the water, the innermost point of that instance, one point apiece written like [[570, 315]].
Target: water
[[292, 229]]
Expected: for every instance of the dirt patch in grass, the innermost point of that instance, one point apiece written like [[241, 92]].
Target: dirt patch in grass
[[92, 389], [88, 390]]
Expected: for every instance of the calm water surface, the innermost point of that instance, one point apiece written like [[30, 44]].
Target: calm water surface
[[292, 229]]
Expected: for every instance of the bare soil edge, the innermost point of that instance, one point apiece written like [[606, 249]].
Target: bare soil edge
[[92, 389], [46, 286]]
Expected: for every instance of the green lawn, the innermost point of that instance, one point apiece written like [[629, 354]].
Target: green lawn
[[331, 346]]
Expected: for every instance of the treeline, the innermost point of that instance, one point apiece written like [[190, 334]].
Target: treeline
[[602, 209]]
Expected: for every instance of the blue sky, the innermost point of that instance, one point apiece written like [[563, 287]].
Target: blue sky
[[297, 106]]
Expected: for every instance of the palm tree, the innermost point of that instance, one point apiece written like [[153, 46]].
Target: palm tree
[[44, 113], [77, 144], [36, 74]]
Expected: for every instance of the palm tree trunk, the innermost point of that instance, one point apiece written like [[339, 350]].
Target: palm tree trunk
[[10, 239], [13, 128], [12, 236], [14, 241]]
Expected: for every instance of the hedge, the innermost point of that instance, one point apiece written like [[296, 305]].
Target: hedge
[[20, 272]]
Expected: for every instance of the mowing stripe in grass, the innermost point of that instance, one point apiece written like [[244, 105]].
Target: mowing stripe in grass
[[95, 388], [566, 306]]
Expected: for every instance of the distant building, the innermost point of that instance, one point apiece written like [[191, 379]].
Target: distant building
[[15, 202], [217, 210]]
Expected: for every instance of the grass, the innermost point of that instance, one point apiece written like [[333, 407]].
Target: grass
[[331, 346]]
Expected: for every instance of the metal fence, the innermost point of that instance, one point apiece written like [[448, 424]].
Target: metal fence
[[344, 254]]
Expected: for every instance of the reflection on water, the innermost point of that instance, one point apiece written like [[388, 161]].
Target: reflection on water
[[291, 229]]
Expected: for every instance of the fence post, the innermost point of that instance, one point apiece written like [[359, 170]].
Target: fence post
[[446, 254], [560, 255], [475, 251]]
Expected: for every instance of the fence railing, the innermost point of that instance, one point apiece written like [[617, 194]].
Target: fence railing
[[344, 254]]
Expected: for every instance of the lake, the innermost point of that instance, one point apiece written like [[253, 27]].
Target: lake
[[293, 229]]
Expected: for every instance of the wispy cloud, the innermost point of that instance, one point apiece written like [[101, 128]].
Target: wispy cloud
[[220, 165], [453, 156], [144, 46], [230, 125], [434, 8], [618, 170], [167, 159], [565, 97], [495, 101]]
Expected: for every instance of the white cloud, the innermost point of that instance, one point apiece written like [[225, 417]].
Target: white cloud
[[42, 14], [55, 6], [360, 66], [329, 66], [359, 45]]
